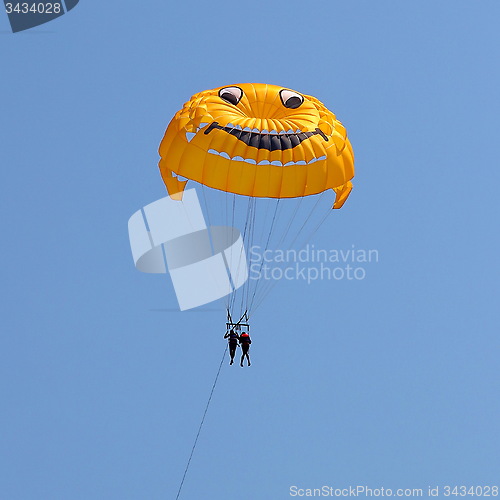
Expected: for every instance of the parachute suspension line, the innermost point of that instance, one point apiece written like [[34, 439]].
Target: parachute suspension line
[[246, 287], [234, 206], [206, 204], [246, 237], [229, 318], [201, 424], [268, 286], [318, 225], [281, 240], [277, 208], [267, 289], [290, 222], [230, 296], [262, 223], [263, 253], [307, 219], [251, 203], [209, 227]]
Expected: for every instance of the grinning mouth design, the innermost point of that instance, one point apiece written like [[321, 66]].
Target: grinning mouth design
[[263, 139]]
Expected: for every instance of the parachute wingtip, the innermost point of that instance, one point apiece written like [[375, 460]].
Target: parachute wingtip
[[341, 194]]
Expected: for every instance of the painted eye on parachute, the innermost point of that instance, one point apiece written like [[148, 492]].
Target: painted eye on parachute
[[232, 95], [291, 99]]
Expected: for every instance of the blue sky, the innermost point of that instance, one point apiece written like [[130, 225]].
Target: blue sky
[[389, 381]]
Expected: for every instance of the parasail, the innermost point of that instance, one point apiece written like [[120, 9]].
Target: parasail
[[257, 142]]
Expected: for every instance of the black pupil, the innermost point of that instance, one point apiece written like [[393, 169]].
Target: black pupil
[[227, 96], [293, 102]]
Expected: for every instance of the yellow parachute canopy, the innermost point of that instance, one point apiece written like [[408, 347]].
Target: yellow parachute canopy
[[257, 140]]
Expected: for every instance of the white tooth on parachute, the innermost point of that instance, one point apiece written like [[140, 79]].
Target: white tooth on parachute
[[237, 127], [202, 125], [273, 132], [256, 130], [247, 129], [263, 162], [282, 132], [289, 131], [189, 136], [230, 125]]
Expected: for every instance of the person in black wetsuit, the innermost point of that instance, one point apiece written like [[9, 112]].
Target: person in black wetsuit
[[245, 342], [232, 337]]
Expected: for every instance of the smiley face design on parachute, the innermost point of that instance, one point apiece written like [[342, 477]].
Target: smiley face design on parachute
[[257, 140]]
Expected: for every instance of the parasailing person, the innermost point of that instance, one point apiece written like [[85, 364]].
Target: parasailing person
[[233, 338]]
